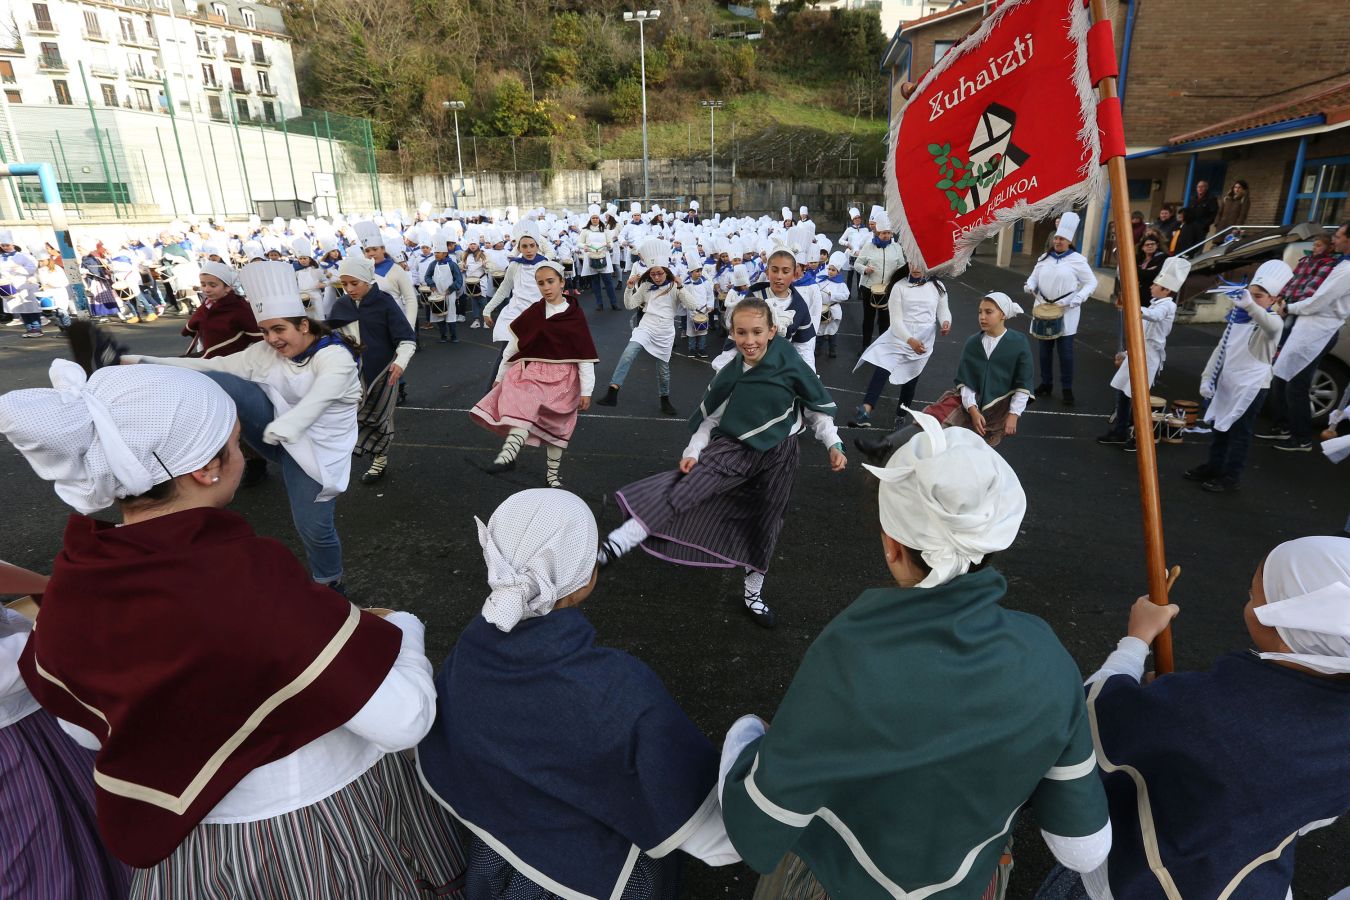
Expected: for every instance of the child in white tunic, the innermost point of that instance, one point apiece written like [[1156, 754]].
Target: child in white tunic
[[1237, 377], [1158, 317], [833, 293], [657, 293], [698, 290], [918, 312]]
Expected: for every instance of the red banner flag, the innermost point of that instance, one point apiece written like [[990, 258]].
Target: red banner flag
[[1003, 127]]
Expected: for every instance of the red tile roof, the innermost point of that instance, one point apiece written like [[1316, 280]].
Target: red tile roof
[[965, 7], [1333, 103]]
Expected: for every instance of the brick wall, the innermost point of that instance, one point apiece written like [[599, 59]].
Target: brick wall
[[1268, 167], [1197, 62]]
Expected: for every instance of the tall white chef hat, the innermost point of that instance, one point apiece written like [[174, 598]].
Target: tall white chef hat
[[1174, 273], [300, 246], [787, 214], [1273, 275], [272, 290], [1068, 226], [368, 234]]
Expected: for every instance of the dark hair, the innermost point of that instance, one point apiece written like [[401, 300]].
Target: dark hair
[[166, 490], [646, 274], [1241, 181], [321, 330], [902, 273], [756, 304], [1152, 235]]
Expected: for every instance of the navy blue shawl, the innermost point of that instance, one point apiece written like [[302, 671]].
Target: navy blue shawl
[[564, 756], [384, 325]]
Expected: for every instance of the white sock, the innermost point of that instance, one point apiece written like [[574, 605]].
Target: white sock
[[555, 455], [515, 439], [621, 540], [754, 586]]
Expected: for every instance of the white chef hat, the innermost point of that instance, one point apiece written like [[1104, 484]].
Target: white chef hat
[[441, 240], [881, 218], [739, 276], [1307, 588], [302, 247], [948, 495], [1005, 303], [327, 244], [1273, 275], [527, 228], [802, 210], [854, 212], [272, 290], [1175, 270], [693, 260], [358, 267], [1068, 226], [227, 274], [693, 205], [539, 547], [655, 252], [787, 214], [252, 250], [593, 209], [635, 208], [838, 260], [368, 234], [424, 207], [119, 432], [6, 236]]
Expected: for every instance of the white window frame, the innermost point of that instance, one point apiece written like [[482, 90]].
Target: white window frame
[[250, 20]]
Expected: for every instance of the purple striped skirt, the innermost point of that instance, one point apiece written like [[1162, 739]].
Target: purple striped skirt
[[728, 511], [50, 848]]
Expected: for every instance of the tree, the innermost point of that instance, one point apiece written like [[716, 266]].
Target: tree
[[626, 101]]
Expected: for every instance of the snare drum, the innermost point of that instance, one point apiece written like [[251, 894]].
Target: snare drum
[[699, 321], [1158, 409], [1173, 426], [1187, 410], [1047, 321]]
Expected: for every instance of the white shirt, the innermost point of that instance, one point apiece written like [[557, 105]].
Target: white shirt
[[15, 701], [1018, 404], [396, 717], [1084, 281]]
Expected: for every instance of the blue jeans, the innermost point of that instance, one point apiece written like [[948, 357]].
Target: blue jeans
[[139, 305], [313, 520], [698, 343], [630, 353], [1228, 449], [606, 279], [1064, 346], [1124, 415]]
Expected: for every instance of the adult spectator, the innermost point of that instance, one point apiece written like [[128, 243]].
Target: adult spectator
[[1167, 224], [1149, 258], [1204, 207], [1234, 208], [1320, 318], [1138, 226], [1190, 232]]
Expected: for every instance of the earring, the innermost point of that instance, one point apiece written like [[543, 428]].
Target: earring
[[214, 480]]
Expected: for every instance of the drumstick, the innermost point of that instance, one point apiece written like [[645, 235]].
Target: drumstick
[[1172, 575]]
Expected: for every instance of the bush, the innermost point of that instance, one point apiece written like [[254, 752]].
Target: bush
[[626, 102]]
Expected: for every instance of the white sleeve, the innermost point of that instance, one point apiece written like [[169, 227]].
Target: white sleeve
[[1018, 404], [1032, 284], [631, 299], [807, 351], [944, 314], [1087, 280], [401, 711], [11, 646], [502, 293], [1158, 311], [85, 738], [403, 353], [968, 398], [710, 843], [1127, 659], [823, 426], [586, 371], [512, 348], [1081, 854], [241, 364], [1330, 290], [743, 732], [895, 304], [702, 436]]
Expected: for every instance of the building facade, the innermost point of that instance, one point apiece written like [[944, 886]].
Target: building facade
[[219, 59]]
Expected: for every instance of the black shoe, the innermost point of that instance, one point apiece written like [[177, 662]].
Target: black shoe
[[1068, 397], [339, 587], [1220, 485], [1294, 445], [1200, 473], [1113, 437], [666, 408], [611, 397], [443, 341], [402, 396], [255, 473], [1274, 433], [92, 347], [758, 610], [1044, 390], [1130, 446], [496, 468]]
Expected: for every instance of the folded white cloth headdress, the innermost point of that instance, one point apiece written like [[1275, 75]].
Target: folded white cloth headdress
[[539, 547], [119, 432], [1307, 586], [358, 267], [950, 496], [227, 274], [1005, 303]]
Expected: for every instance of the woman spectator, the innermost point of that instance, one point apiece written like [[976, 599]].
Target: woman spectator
[[1233, 208]]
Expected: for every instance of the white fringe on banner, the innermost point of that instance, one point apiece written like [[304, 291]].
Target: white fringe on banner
[[1091, 187]]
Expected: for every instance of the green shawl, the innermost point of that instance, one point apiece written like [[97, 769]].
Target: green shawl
[[919, 723], [764, 402], [997, 376]]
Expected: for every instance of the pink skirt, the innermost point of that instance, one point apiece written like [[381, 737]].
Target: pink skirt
[[540, 397]]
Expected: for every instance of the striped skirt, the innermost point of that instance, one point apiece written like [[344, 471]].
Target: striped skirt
[[375, 416], [379, 838], [728, 511], [50, 848], [493, 878]]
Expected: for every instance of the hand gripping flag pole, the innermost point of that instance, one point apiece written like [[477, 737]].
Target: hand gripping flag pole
[[1102, 63]]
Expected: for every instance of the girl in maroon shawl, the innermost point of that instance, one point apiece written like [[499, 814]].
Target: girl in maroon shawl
[[224, 323], [247, 721], [545, 378]]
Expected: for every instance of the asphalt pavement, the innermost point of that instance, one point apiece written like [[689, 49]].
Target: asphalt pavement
[[410, 541]]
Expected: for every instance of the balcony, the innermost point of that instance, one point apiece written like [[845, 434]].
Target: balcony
[[103, 70], [50, 63], [267, 91], [94, 36], [261, 59], [42, 26], [144, 41], [233, 55], [240, 88], [153, 75], [212, 86]]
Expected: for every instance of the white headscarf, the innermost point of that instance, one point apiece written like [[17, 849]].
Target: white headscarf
[[1005, 303], [357, 267], [539, 547], [949, 495], [119, 432], [1307, 585]]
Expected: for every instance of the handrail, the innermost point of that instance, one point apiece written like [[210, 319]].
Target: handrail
[[1216, 235]]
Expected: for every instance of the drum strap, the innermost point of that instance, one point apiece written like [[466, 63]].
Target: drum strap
[[1057, 299]]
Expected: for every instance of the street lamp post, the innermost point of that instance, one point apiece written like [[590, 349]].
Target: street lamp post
[[455, 106], [641, 17], [712, 106]]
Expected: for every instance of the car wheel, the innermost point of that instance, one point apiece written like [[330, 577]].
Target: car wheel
[[1328, 384]]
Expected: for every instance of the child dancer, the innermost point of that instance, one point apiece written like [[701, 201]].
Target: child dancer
[[1158, 314], [791, 308], [443, 276], [918, 312], [698, 291], [724, 505], [546, 377], [1238, 375], [833, 294], [657, 294]]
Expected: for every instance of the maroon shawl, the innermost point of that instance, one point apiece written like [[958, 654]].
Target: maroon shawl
[[226, 326], [563, 338], [196, 651]]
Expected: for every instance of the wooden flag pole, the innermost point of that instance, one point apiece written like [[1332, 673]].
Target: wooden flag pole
[[1150, 498]]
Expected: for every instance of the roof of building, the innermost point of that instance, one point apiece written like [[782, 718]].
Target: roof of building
[[1331, 102], [967, 6]]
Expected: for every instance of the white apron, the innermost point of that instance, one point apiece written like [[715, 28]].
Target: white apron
[[1155, 350], [20, 290], [442, 282], [656, 331], [919, 308], [524, 291], [1310, 335], [700, 293], [324, 453], [1240, 380], [594, 242], [310, 281]]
